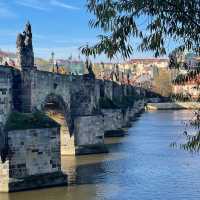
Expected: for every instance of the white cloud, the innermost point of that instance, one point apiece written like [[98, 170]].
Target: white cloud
[[34, 4], [63, 5], [6, 12], [44, 5], [73, 41]]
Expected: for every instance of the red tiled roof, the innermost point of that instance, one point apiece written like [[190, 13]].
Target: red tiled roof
[[147, 60]]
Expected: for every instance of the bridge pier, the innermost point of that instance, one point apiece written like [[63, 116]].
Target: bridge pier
[[113, 122], [116, 120], [89, 135], [31, 159]]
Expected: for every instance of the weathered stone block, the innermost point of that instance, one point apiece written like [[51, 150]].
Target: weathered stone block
[[113, 122], [33, 160], [89, 134]]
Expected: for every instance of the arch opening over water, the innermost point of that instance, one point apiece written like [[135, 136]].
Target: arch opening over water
[[55, 107]]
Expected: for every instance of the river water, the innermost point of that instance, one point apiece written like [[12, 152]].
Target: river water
[[140, 166]]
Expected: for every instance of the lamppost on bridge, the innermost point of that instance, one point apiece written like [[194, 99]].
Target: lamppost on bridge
[[52, 59]]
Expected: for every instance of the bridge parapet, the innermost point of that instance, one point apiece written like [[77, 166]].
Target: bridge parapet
[[8, 98]]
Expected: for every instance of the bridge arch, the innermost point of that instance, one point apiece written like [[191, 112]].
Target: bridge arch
[[57, 101]]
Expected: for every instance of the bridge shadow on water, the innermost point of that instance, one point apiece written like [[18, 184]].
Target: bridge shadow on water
[[84, 173]]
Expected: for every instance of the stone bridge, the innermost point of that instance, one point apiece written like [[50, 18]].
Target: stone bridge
[[75, 98], [30, 90], [27, 89]]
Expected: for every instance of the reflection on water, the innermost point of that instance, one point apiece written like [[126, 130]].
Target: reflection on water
[[140, 166]]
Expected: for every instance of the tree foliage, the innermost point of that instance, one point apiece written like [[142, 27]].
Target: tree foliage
[[192, 138], [183, 79], [120, 21]]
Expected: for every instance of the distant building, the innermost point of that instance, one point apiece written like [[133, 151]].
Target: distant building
[[7, 58], [138, 71], [187, 85], [192, 60], [72, 66], [139, 65], [189, 88], [77, 67], [103, 70], [186, 60]]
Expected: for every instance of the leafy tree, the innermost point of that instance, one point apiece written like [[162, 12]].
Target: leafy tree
[[166, 21], [192, 140], [162, 82], [176, 61], [120, 20]]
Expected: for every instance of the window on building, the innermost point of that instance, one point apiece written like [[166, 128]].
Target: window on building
[[4, 92]]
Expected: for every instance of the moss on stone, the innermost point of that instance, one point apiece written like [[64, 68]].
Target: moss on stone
[[22, 121]]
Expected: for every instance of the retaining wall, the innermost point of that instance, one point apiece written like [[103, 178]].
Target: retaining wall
[[173, 106]]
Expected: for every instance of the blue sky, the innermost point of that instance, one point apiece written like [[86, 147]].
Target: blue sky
[[58, 25]]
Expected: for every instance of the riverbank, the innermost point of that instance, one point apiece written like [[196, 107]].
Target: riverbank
[[173, 106]]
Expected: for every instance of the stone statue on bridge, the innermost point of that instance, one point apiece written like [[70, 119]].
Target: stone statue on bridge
[[89, 67], [25, 55]]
